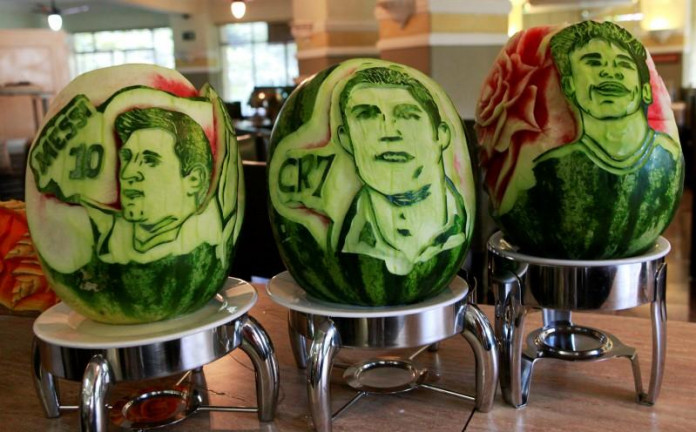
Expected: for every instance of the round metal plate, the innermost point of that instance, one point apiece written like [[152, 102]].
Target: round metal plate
[[178, 346], [283, 290], [155, 408], [64, 327], [385, 376], [571, 342], [408, 326], [574, 285], [498, 244]]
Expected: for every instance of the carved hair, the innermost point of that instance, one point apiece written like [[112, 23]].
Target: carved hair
[[390, 77], [578, 35]]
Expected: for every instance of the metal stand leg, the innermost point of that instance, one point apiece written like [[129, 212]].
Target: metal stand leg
[[659, 331], [631, 354], [479, 334], [45, 384], [95, 386], [515, 369], [199, 384], [258, 347], [325, 345], [553, 317], [298, 343]]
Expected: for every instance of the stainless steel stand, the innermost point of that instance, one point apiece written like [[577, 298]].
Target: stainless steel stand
[[331, 328], [99, 369], [520, 282]]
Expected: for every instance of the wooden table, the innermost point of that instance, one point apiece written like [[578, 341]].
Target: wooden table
[[564, 396]]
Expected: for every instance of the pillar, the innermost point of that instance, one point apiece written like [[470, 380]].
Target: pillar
[[453, 41], [330, 31], [196, 46]]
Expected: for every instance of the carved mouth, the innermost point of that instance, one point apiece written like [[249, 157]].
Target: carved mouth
[[611, 89], [132, 193], [396, 157]]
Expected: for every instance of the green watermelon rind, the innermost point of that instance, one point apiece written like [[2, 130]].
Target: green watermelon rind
[[360, 279], [345, 278], [135, 293], [600, 215]]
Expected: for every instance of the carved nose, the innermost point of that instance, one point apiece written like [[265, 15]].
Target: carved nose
[[606, 73], [390, 131], [131, 174]]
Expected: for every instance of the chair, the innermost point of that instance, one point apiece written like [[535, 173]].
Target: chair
[[256, 252], [13, 160], [234, 109]]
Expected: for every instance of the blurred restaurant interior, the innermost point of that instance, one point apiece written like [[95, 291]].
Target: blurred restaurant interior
[[255, 57]]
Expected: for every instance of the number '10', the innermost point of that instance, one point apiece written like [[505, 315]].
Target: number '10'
[[88, 161]]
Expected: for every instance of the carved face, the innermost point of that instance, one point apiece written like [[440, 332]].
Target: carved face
[[605, 80], [389, 131], [152, 188]]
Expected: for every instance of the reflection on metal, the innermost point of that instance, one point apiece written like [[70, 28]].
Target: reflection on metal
[[390, 376], [99, 369], [153, 409], [385, 375], [571, 342], [326, 335], [520, 282]]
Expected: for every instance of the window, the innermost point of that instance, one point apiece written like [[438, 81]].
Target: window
[[256, 55], [109, 48]]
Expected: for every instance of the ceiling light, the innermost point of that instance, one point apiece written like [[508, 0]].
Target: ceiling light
[[238, 8], [55, 21]]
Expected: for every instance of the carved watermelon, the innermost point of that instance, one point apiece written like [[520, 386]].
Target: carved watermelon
[[23, 286], [134, 194], [370, 182], [579, 144]]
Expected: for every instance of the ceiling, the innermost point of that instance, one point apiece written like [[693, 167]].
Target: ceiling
[[182, 6], [165, 6]]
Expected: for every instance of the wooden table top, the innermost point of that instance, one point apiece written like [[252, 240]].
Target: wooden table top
[[580, 396]]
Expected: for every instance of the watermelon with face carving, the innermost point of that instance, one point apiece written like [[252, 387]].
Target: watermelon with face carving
[[370, 183], [134, 194], [579, 144]]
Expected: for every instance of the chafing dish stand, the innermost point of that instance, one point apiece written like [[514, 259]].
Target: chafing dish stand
[[521, 282], [62, 349], [330, 327]]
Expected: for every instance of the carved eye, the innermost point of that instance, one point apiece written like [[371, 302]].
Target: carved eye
[[408, 112], [626, 65], [410, 116], [593, 62], [126, 155], [366, 112], [151, 160]]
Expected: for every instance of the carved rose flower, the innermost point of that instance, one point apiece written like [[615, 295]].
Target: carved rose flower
[[521, 103], [23, 286], [505, 85], [660, 113]]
